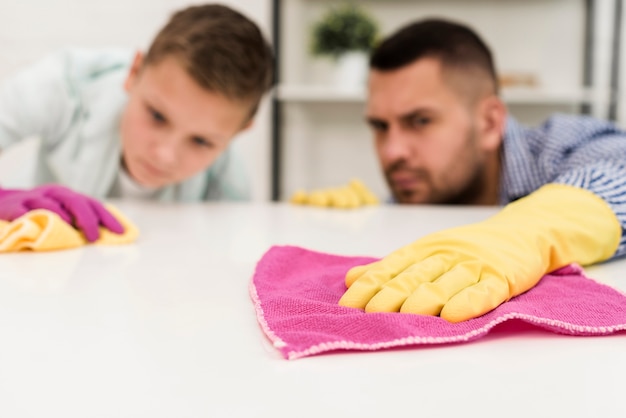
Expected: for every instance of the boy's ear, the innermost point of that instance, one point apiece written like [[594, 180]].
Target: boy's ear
[[134, 70], [248, 124]]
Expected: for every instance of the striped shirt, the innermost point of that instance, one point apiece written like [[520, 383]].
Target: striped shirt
[[568, 149]]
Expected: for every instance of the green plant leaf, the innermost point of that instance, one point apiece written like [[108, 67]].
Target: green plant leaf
[[344, 28]]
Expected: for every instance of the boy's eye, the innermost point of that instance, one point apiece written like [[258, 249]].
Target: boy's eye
[[157, 116], [202, 142]]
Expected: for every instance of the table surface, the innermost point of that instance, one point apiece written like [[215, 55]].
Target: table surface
[[165, 328]]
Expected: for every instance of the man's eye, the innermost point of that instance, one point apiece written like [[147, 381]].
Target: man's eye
[[419, 121], [378, 126]]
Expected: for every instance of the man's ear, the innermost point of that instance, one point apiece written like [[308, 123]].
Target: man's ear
[[134, 70], [492, 115]]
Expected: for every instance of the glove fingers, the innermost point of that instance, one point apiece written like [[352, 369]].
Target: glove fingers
[[371, 281], [365, 195], [48, 204], [319, 198], [78, 206], [388, 267], [342, 197], [352, 195], [355, 272], [361, 291], [476, 300], [86, 220], [430, 298], [300, 197], [12, 213], [352, 199], [336, 198], [106, 218], [395, 292]]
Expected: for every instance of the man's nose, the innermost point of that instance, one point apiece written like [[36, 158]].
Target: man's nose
[[396, 145]]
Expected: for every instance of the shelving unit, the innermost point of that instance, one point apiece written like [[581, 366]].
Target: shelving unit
[[312, 93], [310, 114]]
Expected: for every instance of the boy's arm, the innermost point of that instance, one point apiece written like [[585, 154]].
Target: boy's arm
[[36, 101], [43, 101]]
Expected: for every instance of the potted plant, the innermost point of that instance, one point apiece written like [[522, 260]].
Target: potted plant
[[346, 33]]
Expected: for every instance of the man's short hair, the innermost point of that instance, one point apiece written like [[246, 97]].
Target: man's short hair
[[221, 49], [455, 45]]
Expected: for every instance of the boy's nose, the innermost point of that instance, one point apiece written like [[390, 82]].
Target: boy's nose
[[165, 153]]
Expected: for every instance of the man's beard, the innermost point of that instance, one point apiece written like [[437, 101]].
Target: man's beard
[[466, 195], [469, 192]]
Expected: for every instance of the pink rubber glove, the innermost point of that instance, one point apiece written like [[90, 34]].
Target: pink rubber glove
[[81, 211]]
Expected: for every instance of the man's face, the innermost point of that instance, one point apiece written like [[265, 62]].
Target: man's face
[[429, 140], [172, 128]]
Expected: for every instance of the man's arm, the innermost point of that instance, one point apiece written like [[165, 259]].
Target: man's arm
[[607, 180], [465, 272], [579, 217], [589, 153], [576, 150]]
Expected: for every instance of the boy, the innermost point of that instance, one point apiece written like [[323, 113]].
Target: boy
[[156, 126]]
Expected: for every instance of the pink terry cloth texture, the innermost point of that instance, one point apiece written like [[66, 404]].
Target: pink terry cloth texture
[[295, 292]]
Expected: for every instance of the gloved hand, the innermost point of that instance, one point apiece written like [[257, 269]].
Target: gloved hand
[[78, 210], [353, 195], [462, 273]]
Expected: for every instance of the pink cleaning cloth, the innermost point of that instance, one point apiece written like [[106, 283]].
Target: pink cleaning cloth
[[295, 292]]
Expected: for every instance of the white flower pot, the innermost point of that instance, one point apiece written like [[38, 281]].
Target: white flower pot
[[351, 71]]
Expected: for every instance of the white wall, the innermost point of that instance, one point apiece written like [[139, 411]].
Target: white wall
[[321, 140], [31, 28]]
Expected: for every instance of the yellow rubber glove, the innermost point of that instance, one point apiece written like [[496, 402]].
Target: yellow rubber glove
[[462, 273], [353, 195]]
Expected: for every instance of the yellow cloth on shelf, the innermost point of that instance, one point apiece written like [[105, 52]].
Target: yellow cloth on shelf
[[43, 230]]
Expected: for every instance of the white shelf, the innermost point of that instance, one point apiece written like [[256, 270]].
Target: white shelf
[[548, 97], [303, 93], [318, 93]]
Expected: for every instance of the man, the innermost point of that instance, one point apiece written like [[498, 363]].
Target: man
[[443, 136], [154, 126]]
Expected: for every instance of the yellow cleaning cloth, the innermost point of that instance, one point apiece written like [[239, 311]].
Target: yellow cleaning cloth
[[43, 230], [353, 195]]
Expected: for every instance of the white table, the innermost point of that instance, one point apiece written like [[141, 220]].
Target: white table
[[166, 328]]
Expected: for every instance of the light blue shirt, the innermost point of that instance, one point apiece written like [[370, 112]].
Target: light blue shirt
[[568, 149], [73, 100]]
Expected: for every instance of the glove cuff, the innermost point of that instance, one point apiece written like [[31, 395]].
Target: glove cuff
[[580, 226]]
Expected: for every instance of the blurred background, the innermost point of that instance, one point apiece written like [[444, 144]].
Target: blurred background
[[552, 55]]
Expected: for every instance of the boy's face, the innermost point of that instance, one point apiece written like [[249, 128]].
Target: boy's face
[[172, 128], [432, 145]]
